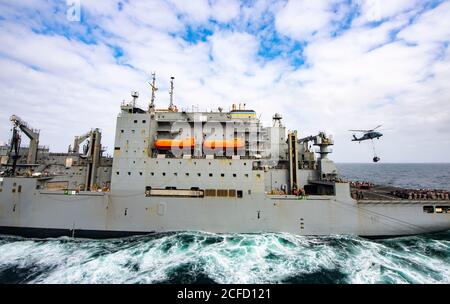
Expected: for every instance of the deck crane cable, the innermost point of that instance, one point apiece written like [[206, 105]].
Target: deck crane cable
[[375, 157], [373, 147]]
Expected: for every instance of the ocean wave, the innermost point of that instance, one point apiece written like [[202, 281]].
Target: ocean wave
[[198, 257]]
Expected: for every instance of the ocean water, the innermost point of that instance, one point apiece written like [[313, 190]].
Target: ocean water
[[401, 175], [198, 257]]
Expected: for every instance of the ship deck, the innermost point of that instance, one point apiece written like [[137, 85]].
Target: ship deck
[[396, 194]]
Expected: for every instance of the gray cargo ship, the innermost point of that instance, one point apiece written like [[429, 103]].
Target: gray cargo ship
[[217, 171]]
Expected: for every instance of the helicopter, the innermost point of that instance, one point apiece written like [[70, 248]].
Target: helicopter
[[368, 134]]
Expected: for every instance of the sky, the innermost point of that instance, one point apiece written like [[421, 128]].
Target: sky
[[331, 65]]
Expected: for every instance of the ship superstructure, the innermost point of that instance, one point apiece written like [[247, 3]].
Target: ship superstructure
[[219, 171]]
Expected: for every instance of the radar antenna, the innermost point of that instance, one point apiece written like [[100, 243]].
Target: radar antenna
[[277, 120], [135, 96]]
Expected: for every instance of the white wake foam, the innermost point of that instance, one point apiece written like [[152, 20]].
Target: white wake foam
[[229, 258]]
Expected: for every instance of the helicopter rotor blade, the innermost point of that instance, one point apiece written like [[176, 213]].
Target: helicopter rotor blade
[[360, 131], [376, 128]]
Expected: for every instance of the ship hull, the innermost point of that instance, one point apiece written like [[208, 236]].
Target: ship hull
[[35, 213]]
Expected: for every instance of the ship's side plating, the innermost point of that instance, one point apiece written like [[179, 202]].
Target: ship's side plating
[[31, 212]]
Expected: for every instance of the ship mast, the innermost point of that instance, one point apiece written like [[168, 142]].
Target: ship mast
[[154, 89], [171, 107]]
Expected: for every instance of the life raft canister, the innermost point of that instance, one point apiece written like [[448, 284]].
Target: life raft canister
[[223, 144], [167, 144]]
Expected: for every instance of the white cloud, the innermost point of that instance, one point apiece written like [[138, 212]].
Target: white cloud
[[225, 10], [432, 26], [196, 10], [358, 79], [300, 19], [376, 10]]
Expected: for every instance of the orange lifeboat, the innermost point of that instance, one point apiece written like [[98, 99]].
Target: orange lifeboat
[[223, 144], [167, 144]]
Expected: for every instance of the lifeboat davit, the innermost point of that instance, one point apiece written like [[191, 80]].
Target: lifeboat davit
[[167, 144], [223, 144]]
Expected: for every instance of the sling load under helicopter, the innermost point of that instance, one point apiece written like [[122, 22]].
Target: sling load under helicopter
[[369, 135]]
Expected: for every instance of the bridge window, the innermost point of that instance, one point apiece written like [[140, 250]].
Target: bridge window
[[428, 209], [222, 174], [164, 174], [442, 209], [234, 174], [210, 174], [222, 192], [144, 121], [152, 173], [239, 193], [210, 192]]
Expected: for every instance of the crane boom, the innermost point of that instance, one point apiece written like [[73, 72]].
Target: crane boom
[[32, 134], [78, 140]]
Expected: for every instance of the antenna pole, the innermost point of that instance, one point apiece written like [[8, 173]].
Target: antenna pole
[[154, 89], [171, 93]]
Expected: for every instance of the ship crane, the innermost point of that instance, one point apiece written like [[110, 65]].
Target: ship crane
[[15, 146], [78, 141], [322, 141], [326, 167], [92, 154], [32, 134]]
